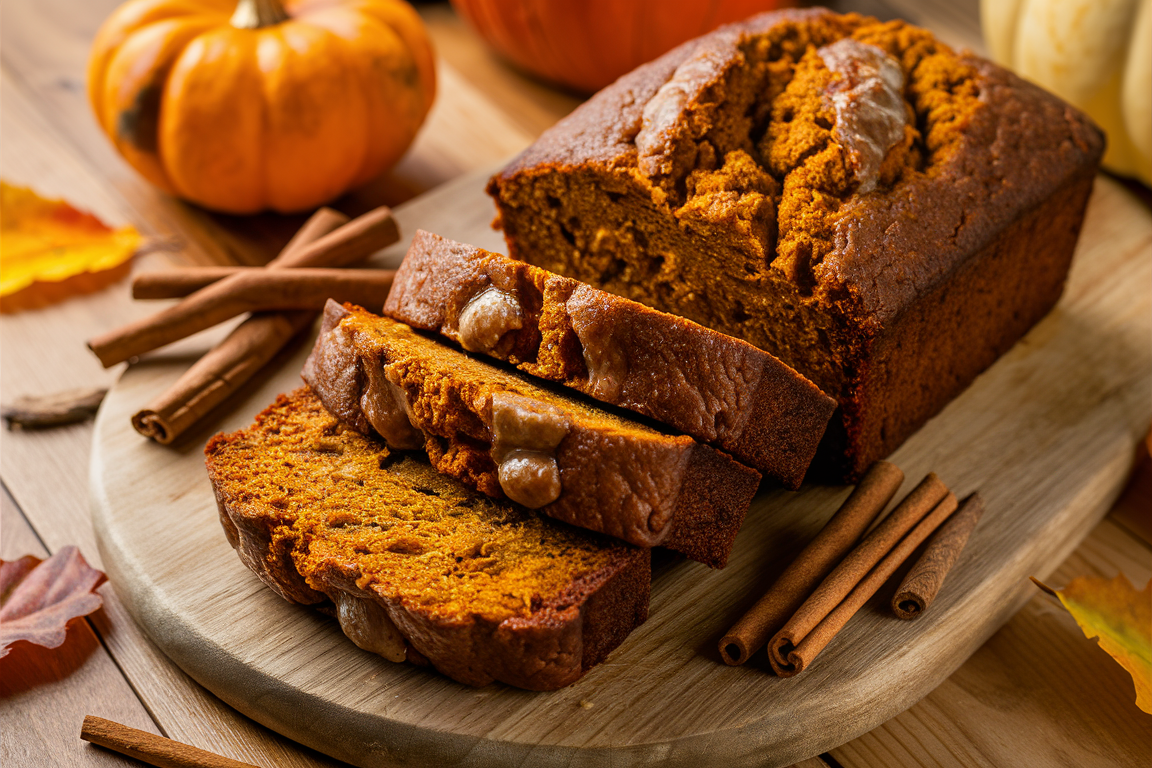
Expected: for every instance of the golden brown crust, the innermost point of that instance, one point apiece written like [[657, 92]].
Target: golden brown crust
[[801, 264], [479, 589], [713, 387], [615, 475]]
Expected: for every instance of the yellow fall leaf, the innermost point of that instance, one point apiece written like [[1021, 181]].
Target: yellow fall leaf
[[1121, 617], [50, 251]]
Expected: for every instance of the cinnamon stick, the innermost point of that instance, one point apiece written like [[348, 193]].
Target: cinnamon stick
[[184, 281], [840, 534], [245, 351], [272, 288], [207, 307], [150, 748], [342, 247], [178, 283], [255, 289], [815, 641], [923, 582], [219, 373], [320, 224], [854, 568]]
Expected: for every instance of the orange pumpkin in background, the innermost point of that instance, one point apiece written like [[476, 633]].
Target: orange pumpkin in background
[[586, 44], [242, 107]]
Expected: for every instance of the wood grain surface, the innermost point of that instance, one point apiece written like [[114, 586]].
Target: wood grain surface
[[50, 141], [1046, 435], [1036, 694], [67, 678]]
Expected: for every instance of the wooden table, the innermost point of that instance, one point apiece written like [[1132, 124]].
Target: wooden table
[[1038, 693]]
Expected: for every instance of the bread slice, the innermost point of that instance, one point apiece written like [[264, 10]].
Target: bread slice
[[416, 566], [716, 388], [509, 437]]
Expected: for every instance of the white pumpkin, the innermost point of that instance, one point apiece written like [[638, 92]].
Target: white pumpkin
[[1095, 54]]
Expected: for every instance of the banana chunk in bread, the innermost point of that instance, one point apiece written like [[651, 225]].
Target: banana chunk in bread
[[414, 565], [510, 437]]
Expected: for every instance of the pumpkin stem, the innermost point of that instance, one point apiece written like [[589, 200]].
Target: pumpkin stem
[[254, 14]]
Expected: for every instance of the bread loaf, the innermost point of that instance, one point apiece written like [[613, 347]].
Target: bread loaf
[[881, 213]]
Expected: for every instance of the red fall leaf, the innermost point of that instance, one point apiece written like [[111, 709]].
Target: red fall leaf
[[39, 597]]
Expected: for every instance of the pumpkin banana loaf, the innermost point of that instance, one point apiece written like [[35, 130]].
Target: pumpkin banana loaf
[[716, 388], [511, 438], [414, 565], [882, 214]]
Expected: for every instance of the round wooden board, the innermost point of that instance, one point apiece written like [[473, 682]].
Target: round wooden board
[[1046, 435]]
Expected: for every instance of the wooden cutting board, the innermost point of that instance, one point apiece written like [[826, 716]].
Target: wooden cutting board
[[1046, 435]]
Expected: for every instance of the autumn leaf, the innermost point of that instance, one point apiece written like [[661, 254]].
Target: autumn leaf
[[50, 251], [39, 597], [1121, 617]]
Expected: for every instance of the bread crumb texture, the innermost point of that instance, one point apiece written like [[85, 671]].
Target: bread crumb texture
[[756, 154], [346, 506], [450, 397]]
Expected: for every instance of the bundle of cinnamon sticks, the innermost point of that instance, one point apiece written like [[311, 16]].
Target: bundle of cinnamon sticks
[[282, 297], [848, 562]]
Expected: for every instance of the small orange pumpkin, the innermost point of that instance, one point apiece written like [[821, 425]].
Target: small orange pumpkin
[[242, 107], [586, 44]]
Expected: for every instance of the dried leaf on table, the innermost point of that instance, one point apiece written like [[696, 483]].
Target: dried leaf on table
[[39, 597], [50, 251], [1121, 618], [53, 410]]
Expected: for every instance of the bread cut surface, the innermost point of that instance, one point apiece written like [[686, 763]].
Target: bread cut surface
[[511, 437], [481, 589], [716, 388]]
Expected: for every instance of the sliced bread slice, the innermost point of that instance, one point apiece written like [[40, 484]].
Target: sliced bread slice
[[509, 437], [716, 388], [416, 566]]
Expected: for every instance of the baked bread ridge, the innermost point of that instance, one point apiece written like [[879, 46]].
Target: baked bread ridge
[[506, 436], [767, 240], [314, 540], [716, 388]]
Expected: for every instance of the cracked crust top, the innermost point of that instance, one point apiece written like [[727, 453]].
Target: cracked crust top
[[745, 119]]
